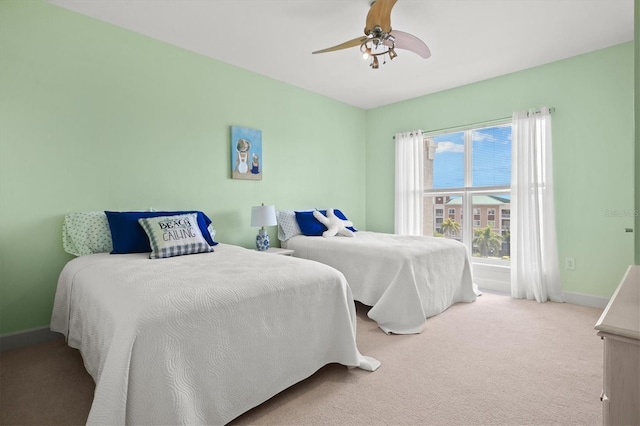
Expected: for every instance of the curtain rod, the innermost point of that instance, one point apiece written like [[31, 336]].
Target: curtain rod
[[466, 126]]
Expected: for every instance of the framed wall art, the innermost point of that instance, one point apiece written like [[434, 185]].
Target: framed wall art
[[246, 153]]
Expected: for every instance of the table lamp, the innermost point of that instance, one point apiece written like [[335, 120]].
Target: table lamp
[[263, 216]]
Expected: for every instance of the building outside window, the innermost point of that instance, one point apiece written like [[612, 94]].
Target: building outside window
[[468, 173]]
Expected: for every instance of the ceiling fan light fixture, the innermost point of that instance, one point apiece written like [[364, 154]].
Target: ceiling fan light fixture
[[366, 51], [372, 48], [379, 39]]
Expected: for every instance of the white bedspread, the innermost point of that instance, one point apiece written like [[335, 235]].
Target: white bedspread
[[200, 339], [405, 279]]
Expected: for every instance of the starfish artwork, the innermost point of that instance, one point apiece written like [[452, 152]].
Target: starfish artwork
[[335, 225]]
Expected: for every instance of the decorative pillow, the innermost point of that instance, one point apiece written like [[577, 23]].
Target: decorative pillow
[[341, 215], [287, 225], [335, 225], [212, 234], [310, 226], [129, 237], [86, 233], [174, 235]]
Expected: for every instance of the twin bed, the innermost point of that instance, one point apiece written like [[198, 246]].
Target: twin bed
[[405, 279], [196, 339], [200, 339]]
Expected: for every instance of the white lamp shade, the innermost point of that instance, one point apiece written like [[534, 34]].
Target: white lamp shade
[[263, 216]]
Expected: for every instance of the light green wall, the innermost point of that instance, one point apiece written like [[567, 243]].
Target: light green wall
[[94, 117], [637, 114], [593, 152]]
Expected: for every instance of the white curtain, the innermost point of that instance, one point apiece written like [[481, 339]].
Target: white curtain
[[409, 183], [534, 255]]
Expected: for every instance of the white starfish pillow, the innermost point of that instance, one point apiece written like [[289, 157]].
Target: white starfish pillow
[[335, 225]]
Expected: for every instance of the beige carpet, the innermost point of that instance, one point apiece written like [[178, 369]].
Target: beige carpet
[[495, 361]]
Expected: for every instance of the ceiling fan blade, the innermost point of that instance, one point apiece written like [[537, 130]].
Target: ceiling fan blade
[[379, 15], [351, 43], [409, 42]]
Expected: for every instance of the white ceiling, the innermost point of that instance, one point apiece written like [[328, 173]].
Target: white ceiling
[[470, 40]]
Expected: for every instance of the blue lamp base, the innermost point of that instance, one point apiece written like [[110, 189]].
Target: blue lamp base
[[262, 240]]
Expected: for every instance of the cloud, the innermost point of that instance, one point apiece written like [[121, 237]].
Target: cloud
[[449, 147], [493, 134], [483, 137]]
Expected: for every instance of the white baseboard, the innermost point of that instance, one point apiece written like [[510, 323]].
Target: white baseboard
[[29, 337], [498, 279], [586, 300], [573, 298]]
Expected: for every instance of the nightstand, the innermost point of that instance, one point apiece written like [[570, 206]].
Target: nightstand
[[280, 251]]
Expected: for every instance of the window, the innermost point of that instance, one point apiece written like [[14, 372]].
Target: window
[[468, 173]]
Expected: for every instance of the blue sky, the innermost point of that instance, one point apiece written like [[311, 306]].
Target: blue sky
[[491, 160]]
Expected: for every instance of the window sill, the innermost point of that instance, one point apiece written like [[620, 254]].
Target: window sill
[[483, 261], [492, 274]]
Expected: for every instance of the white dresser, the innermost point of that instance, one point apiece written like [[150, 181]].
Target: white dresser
[[619, 327]]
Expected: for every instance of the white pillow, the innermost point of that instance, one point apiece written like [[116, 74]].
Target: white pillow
[[174, 235], [287, 224], [86, 233]]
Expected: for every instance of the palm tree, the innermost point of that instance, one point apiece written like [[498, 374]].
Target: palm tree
[[450, 227], [485, 239], [506, 240]]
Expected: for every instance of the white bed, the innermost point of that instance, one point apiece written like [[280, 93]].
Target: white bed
[[405, 279], [200, 339]]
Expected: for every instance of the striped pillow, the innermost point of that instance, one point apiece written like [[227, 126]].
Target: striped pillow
[[174, 235]]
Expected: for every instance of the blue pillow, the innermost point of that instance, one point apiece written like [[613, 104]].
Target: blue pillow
[[311, 227], [129, 237], [340, 215]]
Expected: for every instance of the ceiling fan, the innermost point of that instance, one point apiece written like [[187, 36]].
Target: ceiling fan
[[380, 39]]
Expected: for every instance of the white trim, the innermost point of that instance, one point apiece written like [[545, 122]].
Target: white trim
[[32, 336], [586, 300], [28, 330], [579, 299], [492, 277]]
